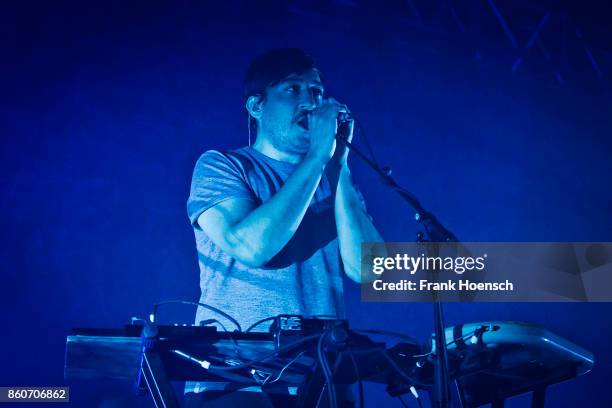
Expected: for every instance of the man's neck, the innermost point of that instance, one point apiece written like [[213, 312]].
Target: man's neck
[[266, 148]]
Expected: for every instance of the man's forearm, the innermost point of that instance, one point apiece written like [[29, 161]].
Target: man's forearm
[[268, 228], [353, 223]]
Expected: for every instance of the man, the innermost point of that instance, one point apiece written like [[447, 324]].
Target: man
[[278, 222]]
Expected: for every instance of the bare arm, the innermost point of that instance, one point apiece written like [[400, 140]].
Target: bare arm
[[353, 223], [253, 235]]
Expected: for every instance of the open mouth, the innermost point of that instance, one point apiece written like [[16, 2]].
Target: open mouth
[[303, 122]]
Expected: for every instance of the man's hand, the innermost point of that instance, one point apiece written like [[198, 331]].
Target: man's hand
[[345, 132], [323, 125]]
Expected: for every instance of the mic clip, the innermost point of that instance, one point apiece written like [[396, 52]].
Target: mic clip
[[345, 117]]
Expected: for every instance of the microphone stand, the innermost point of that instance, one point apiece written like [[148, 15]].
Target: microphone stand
[[435, 233]]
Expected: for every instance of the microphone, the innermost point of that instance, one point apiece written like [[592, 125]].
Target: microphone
[[345, 117], [344, 122]]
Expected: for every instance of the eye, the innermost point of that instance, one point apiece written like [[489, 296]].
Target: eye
[[317, 92], [294, 88]]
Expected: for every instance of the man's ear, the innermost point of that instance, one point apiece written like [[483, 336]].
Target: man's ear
[[254, 105]]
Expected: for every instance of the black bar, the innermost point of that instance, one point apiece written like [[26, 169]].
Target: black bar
[[157, 381], [539, 397]]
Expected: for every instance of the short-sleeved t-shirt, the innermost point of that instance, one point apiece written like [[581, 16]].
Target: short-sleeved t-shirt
[[304, 278]]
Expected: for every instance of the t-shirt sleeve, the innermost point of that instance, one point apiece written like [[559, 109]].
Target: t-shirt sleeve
[[215, 179]]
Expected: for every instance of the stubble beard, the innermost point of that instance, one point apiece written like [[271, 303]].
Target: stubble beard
[[294, 142]]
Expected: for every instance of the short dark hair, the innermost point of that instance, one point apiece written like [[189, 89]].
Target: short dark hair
[[272, 67]]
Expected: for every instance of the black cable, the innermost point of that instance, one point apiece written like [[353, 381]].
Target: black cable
[[331, 389], [204, 305], [236, 346], [280, 374], [267, 356], [257, 323], [359, 382], [400, 371]]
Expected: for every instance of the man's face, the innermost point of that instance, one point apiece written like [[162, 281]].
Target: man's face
[[284, 120]]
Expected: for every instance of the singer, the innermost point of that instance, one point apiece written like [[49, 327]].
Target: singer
[[277, 223]]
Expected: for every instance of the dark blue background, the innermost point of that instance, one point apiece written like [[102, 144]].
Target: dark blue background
[[105, 110]]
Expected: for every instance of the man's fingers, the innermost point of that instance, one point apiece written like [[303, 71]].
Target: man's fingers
[[335, 105]]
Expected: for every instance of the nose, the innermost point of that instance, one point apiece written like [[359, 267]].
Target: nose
[[307, 101]]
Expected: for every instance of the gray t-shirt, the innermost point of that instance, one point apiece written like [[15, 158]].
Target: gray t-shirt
[[304, 278]]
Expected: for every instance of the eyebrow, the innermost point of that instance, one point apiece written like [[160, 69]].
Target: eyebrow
[[298, 79]]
